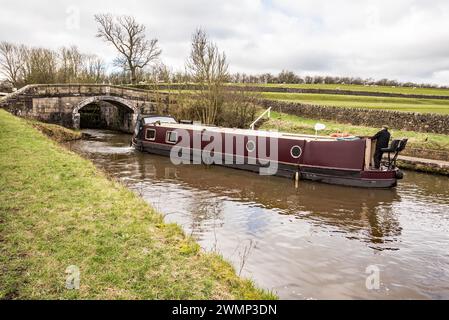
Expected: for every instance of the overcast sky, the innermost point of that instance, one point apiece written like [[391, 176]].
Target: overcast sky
[[405, 40]]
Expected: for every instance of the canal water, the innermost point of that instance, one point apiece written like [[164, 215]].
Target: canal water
[[316, 241]]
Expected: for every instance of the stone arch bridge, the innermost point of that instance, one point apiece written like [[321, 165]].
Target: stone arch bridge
[[66, 104]]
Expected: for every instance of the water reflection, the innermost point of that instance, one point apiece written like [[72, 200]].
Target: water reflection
[[314, 241], [359, 213]]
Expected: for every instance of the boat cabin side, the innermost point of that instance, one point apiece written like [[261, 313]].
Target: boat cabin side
[[354, 155]]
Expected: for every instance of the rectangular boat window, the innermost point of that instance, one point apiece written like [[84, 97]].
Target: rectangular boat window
[[171, 137], [150, 134]]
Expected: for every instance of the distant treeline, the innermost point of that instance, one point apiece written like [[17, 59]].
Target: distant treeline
[[22, 65], [291, 77], [163, 74]]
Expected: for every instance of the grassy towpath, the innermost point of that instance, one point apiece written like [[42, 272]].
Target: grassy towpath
[[58, 210]]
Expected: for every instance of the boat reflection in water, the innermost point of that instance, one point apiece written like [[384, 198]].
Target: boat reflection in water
[[314, 241], [359, 213]]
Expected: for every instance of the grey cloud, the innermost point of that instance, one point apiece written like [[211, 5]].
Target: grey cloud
[[403, 39]]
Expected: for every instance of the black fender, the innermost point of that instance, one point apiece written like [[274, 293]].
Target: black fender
[[399, 174]]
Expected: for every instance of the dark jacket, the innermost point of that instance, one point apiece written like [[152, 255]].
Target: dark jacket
[[383, 139]]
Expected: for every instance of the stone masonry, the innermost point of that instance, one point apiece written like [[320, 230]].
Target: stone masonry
[[61, 103]]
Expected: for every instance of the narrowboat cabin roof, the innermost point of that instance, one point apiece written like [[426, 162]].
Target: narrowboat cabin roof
[[247, 132], [155, 118]]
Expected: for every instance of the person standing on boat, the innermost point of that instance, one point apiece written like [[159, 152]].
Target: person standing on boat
[[383, 139]]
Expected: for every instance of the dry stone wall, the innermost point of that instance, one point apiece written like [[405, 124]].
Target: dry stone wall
[[421, 122]]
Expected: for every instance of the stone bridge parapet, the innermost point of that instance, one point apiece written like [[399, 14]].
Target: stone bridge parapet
[[61, 103]]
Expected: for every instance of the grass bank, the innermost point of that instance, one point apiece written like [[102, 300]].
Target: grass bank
[[58, 210], [55, 132], [366, 102], [295, 124]]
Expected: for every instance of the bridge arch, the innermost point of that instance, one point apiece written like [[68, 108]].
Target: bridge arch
[[76, 116]]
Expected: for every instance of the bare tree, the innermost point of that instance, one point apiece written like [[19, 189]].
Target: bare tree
[[206, 63], [164, 73], [94, 69], [12, 61], [129, 39], [213, 102], [209, 69], [41, 66], [71, 64]]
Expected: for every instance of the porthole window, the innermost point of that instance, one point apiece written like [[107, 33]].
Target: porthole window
[[171, 137], [150, 134], [296, 152], [250, 146]]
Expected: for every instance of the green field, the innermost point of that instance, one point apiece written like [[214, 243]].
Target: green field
[[385, 103], [350, 87], [357, 101], [57, 210], [385, 89], [290, 123]]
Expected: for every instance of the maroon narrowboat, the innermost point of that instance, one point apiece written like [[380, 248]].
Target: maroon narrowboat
[[325, 159]]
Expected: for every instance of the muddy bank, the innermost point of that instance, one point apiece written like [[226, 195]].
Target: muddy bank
[[55, 132]]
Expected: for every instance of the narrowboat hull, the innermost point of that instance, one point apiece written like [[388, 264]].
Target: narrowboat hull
[[336, 176]]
